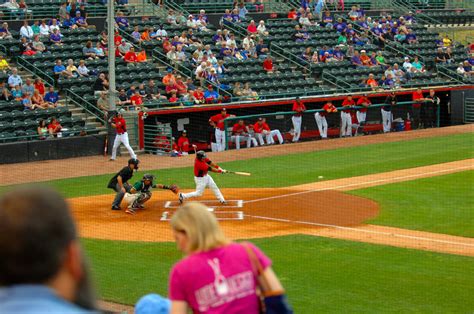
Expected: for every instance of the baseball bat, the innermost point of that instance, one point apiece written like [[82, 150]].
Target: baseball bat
[[240, 173], [106, 145]]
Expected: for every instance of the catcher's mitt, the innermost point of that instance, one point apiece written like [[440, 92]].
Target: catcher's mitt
[[174, 188]]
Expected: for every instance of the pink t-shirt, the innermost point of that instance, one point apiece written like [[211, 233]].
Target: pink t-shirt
[[218, 281]]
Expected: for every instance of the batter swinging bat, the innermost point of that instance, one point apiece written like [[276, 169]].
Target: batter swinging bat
[[239, 173]]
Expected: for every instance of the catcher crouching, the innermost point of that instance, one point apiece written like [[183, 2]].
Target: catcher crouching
[[140, 193]]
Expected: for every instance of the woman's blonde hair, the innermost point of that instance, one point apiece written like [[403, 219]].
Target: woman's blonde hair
[[200, 226]]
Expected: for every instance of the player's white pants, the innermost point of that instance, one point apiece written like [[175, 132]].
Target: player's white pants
[[269, 135], [322, 125], [220, 140], [122, 138], [296, 127], [201, 184], [346, 124], [237, 138], [361, 116], [386, 120]]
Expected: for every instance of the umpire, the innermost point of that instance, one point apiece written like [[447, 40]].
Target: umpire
[[119, 182]]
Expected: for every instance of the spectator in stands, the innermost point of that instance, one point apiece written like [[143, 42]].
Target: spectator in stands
[[62, 13], [4, 92], [380, 59], [365, 59], [130, 57], [121, 20], [35, 28], [124, 47], [72, 69], [24, 48], [292, 15], [210, 95], [327, 20], [417, 65], [353, 13], [54, 25], [101, 84], [411, 37], [27, 103], [26, 31], [171, 17], [261, 28], [268, 65], [122, 98], [60, 70], [468, 71], [5, 32], [54, 127], [407, 65], [446, 41], [38, 101], [103, 103], [44, 29], [136, 100], [299, 35], [440, 56], [80, 21], [173, 98], [169, 77], [199, 236], [28, 87], [14, 79], [261, 49], [82, 69], [56, 38], [248, 93], [145, 35], [252, 28], [89, 52], [398, 73], [4, 66], [17, 93], [371, 82], [55, 279], [136, 35], [449, 55], [356, 59], [37, 45], [42, 129], [39, 86], [99, 51], [199, 96], [51, 97]]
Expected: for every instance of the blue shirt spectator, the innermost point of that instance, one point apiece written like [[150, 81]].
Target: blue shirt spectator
[[51, 96], [58, 68], [211, 95], [30, 299]]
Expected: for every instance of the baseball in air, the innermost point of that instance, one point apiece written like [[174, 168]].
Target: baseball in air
[[320, 177]]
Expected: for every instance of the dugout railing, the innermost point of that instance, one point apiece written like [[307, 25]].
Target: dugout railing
[[281, 121]]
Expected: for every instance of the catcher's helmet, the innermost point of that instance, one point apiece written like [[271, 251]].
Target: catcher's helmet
[[201, 155], [134, 162], [149, 177]]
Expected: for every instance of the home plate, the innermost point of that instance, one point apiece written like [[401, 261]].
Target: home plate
[[220, 215]]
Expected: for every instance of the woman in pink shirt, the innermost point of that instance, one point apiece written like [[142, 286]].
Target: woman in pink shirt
[[216, 276]]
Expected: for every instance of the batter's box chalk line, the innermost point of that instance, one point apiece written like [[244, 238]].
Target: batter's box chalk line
[[213, 203], [220, 215]]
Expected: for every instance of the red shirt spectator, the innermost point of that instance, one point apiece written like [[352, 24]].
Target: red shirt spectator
[[199, 95], [54, 127], [171, 88], [252, 28], [299, 107], [183, 143], [181, 87], [292, 14], [364, 101], [201, 167], [218, 119], [417, 95], [173, 98], [268, 64], [117, 39], [39, 86], [136, 99], [130, 56], [348, 102]]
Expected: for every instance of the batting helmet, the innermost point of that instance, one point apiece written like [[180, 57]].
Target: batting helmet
[[134, 162], [201, 155], [148, 177]]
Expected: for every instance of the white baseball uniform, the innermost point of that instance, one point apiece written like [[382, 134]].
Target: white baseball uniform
[[220, 139], [297, 120], [346, 124], [386, 120], [322, 124], [201, 184], [250, 140], [122, 138]]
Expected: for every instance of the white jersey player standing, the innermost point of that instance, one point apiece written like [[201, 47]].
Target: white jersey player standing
[[120, 126]]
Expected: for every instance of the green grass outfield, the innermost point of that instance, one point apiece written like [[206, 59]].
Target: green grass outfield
[[321, 275], [293, 169], [442, 204]]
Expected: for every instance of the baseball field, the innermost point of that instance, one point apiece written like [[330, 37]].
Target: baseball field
[[370, 224]]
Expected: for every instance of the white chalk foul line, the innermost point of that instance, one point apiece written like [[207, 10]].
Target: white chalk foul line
[[167, 204], [362, 230], [358, 184]]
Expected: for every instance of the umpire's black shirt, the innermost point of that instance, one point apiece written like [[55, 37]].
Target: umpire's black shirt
[[126, 174]]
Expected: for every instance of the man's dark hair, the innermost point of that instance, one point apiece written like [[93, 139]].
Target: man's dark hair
[[36, 229]]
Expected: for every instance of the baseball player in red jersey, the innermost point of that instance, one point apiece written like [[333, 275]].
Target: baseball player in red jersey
[[298, 108], [365, 102], [120, 126], [346, 120], [217, 122], [202, 165], [241, 132], [183, 143], [321, 121], [261, 128]]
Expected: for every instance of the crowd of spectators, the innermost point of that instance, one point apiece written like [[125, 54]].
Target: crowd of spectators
[[32, 95]]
